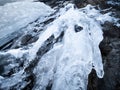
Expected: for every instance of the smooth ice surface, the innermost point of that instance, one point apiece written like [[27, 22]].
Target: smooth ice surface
[[14, 16], [3, 2]]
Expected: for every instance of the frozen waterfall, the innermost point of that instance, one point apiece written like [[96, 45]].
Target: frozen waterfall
[[76, 35], [70, 61]]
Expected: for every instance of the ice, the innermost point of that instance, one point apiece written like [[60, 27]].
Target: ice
[[3, 2], [115, 2], [18, 53], [17, 78], [69, 63], [15, 16]]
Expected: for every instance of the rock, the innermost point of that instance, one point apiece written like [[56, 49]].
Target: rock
[[25, 39], [78, 28], [82, 3], [106, 49], [31, 80], [111, 57], [9, 38], [9, 65], [28, 39], [4, 62], [92, 83], [110, 30], [46, 46], [110, 50]]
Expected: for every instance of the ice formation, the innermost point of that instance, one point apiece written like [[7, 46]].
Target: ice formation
[[67, 64], [17, 15]]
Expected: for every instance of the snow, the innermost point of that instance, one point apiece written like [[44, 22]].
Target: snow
[[14, 16]]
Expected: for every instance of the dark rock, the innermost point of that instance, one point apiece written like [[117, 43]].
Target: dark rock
[[78, 28], [92, 82], [52, 3], [31, 80], [25, 39], [110, 50], [83, 3], [46, 46], [80, 3], [49, 87], [105, 48], [60, 38], [48, 21], [4, 62], [110, 30], [8, 38], [7, 45], [28, 39]]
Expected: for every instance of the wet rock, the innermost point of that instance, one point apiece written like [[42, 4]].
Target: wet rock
[[31, 80], [92, 83], [28, 39], [5, 60], [78, 28], [110, 30], [80, 3], [7, 45], [96, 2], [11, 68], [25, 39], [111, 79], [52, 3], [8, 38], [60, 38], [46, 47], [110, 50], [83, 3], [105, 50], [49, 87]]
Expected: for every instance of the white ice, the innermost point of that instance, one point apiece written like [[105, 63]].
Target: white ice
[[3, 2], [69, 63], [14, 16]]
